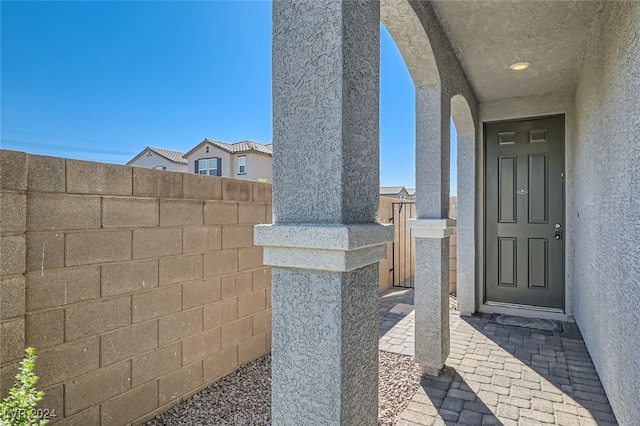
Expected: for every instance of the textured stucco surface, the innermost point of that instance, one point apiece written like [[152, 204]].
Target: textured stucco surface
[[432, 153], [486, 37], [431, 301], [442, 92], [432, 228], [468, 187], [489, 36], [409, 35], [325, 343], [602, 150], [324, 247], [322, 236], [607, 206], [325, 111], [326, 174], [439, 78], [457, 100], [433, 112], [324, 260]]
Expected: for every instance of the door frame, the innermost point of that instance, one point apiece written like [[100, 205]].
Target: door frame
[[517, 309]]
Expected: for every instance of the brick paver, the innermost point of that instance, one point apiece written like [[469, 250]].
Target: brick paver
[[396, 328], [500, 375]]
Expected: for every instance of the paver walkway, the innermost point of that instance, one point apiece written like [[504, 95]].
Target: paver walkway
[[396, 321], [498, 374]]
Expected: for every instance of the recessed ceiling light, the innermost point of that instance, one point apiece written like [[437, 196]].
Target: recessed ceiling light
[[520, 66]]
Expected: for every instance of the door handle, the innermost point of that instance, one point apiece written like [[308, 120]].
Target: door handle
[[558, 234]]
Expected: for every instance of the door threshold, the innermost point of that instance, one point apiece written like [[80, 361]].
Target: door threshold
[[527, 311]]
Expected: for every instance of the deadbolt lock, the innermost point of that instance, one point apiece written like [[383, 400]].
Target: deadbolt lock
[[558, 234]]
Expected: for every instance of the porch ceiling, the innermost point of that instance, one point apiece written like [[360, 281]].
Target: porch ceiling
[[489, 36]]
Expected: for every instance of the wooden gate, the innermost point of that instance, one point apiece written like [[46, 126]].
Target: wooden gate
[[403, 257]]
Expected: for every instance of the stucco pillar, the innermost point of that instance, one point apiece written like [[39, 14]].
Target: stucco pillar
[[432, 229], [467, 191], [325, 244], [465, 223]]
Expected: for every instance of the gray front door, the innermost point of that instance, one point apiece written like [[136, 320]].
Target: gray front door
[[524, 211]]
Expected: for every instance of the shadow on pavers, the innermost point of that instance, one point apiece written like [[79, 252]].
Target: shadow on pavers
[[559, 356], [388, 300], [450, 398]]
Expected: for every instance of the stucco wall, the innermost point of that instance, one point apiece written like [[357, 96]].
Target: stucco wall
[[607, 205], [151, 159], [258, 166], [227, 166], [442, 92]]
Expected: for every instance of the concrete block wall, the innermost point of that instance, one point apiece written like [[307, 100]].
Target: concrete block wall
[[137, 287]]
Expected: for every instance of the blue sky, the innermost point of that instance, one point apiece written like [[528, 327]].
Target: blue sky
[[101, 81]]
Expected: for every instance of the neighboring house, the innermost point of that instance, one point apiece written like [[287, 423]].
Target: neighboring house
[[241, 160], [394, 192], [160, 159], [411, 193]]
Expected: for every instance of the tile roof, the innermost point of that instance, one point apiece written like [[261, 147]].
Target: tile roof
[[243, 146], [391, 189], [175, 156]]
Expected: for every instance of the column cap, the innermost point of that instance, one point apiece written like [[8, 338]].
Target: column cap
[[432, 228], [325, 247]]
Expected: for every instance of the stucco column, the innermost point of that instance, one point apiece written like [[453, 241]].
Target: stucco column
[[432, 229], [466, 225], [325, 243]]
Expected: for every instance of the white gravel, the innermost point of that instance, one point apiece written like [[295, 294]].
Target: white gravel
[[398, 380], [241, 398], [453, 302], [244, 397]]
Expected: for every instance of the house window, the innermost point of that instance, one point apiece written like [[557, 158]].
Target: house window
[[209, 166], [242, 165]]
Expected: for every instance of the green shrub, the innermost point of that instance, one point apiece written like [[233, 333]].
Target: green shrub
[[19, 408]]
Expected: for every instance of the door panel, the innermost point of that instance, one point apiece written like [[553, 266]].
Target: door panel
[[538, 188], [507, 261], [506, 190], [524, 201], [538, 255]]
